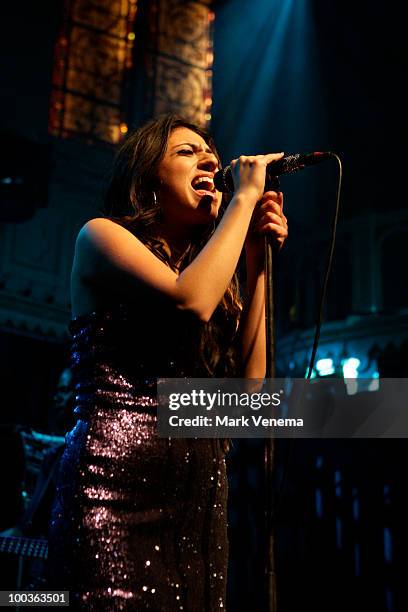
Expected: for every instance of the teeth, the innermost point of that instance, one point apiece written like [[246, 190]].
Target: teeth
[[203, 179]]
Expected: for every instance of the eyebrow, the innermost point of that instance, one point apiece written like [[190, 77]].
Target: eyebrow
[[194, 146]]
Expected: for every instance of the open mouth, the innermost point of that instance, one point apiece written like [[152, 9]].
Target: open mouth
[[204, 186]]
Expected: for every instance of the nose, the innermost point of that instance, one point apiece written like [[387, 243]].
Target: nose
[[209, 163]]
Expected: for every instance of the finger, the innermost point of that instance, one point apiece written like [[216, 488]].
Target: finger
[[276, 196], [270, 207], [270, 195], [274, 228], [258, 160], [270, 157], [247, 159], [268, 225], [271, 217]]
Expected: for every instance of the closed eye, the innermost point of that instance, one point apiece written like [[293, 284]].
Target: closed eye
[[184, 151]]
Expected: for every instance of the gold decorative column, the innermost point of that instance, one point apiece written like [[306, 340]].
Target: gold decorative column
[[179, 58]]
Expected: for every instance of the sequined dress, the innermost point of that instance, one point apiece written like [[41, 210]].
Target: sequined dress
[[139, 522]]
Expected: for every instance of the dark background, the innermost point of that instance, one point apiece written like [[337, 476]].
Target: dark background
[[290, 76]]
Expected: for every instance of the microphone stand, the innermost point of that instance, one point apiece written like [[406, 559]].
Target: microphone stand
[[269, 450]]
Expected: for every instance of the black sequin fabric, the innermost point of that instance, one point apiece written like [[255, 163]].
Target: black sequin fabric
[[139, 522]]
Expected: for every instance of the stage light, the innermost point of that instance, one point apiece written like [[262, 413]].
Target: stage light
[[350, 373], [350, 367], [325, 367], [374, 384]]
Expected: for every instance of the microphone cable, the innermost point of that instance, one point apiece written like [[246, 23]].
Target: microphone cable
[[326, 277], [322, 300]]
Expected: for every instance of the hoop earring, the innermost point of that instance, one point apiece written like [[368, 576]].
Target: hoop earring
[[157, 206]]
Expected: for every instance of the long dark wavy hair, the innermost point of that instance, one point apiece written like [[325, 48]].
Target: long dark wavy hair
[[129, 201]]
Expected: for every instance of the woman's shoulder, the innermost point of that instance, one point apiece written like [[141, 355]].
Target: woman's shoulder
[[111, 258], [99, 225], [100, 236], [92, 239]]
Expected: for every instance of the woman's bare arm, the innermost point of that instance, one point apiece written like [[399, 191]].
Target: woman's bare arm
[[109, 254], [252, 331], [267, 218]]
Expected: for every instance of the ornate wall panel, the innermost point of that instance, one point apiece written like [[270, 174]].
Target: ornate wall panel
[[180, 58], [93, 57]]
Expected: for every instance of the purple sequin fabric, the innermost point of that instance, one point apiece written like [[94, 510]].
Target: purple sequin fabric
[[139, 522]]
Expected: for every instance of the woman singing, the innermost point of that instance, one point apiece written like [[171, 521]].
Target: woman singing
[[139, 522]]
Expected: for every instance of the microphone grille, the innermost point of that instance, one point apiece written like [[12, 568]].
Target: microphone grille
[[223, 180]]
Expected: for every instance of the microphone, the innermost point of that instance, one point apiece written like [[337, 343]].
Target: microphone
[[223, 180]]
